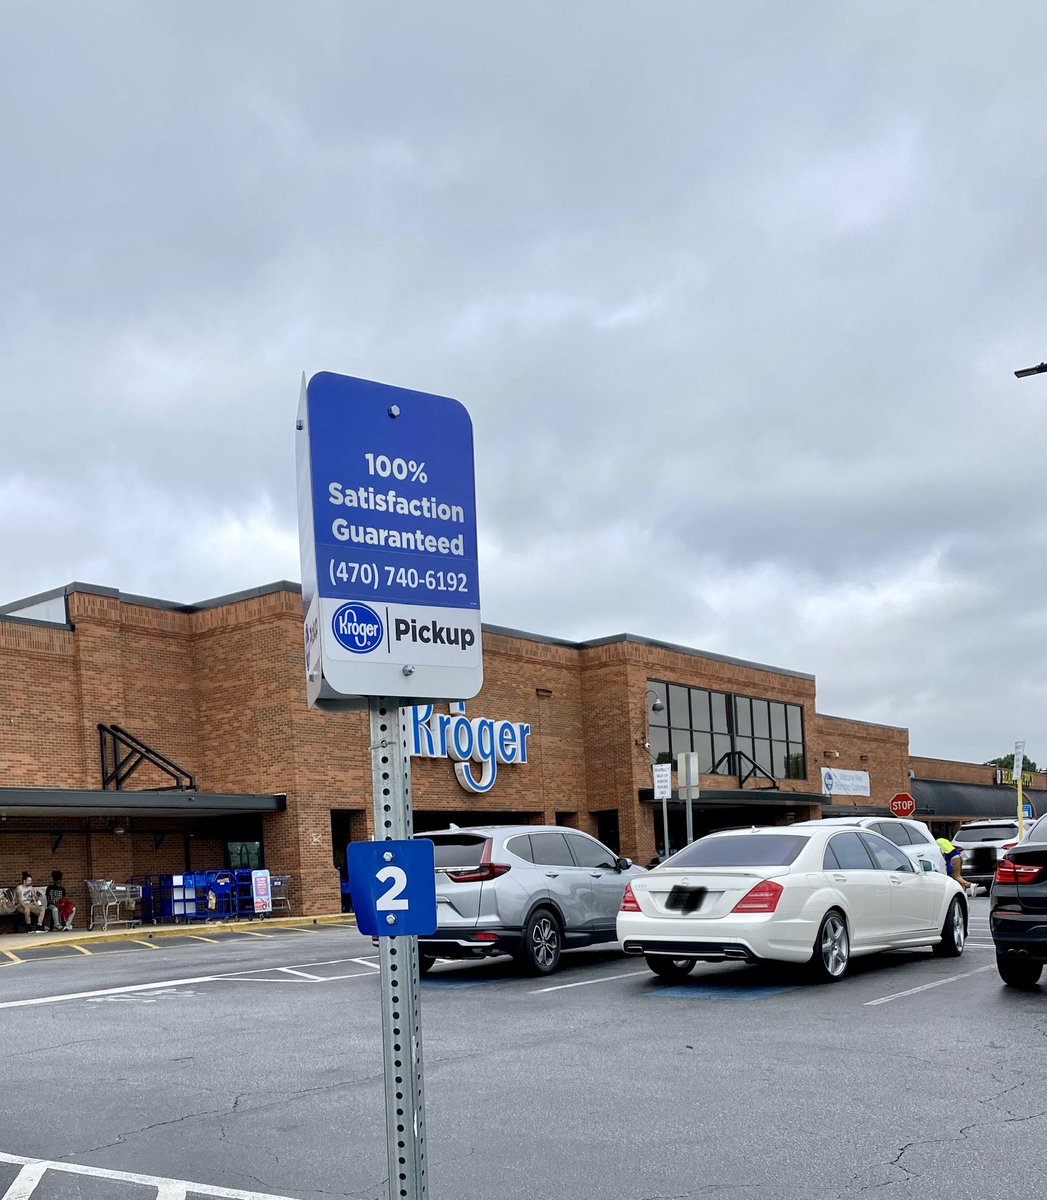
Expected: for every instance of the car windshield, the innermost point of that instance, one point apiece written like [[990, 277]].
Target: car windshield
[[741, 850], [987, 833]]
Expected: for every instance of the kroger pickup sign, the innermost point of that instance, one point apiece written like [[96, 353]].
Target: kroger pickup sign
[[477, 745], [387, 531]]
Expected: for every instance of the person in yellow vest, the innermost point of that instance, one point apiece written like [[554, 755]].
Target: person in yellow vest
[[953, 862]]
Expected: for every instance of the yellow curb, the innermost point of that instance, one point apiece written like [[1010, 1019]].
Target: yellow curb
[[148, 932]]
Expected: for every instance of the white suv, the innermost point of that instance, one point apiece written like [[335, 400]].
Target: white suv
[[983, 844], [912, 837]]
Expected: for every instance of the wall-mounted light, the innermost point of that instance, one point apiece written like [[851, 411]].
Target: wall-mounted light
[[831, 753], [118, 829], [545, 693]]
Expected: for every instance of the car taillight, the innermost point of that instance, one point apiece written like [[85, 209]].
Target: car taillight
[[629, 901], [761, 899], [482, 872], [486, 870], [1009, 871]]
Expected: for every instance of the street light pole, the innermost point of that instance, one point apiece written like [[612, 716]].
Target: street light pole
[[1025, 372], [656, 706]]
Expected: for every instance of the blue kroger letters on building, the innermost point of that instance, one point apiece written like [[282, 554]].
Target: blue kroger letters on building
[[479, 740]]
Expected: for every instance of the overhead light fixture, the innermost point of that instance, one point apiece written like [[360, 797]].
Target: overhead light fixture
[[119, 829]]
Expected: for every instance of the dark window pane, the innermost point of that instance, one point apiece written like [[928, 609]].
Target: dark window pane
[[777, 721], [830, 861], [743, 715], [794, 716], [521, 847], [763, 755], [700, 709], [719, 712], [721, 746], [679, 742], [588, 853], [659, 690], [761, 721], [741, 850], [795, 768], [550, 850], [920, 834], [886, 855], [659, 744], [778, 759], [703, 744], [679, 709], [850, 852]]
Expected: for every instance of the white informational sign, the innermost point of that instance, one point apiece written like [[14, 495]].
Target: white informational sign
[[1019, 759], [836, 782], [687, 772], [663, 781]]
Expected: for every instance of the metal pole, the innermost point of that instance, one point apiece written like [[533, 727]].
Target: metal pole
[[401, 1015], [665, 827], [688, 760]]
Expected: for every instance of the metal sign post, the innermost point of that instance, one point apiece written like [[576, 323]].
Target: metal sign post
[[1019, 767], [398, 957], [391, 605], [663, 790], [687, 768]]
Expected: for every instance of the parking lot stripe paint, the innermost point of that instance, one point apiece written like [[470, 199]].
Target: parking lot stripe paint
[[82, 950], [11, 955], [366, 962], [199, 937], [926, 987], [300, 974], [166, 1189], [562, 987], [253, 933], [148, 945]]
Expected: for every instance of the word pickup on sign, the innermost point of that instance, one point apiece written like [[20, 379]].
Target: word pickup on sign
[[393, 885]]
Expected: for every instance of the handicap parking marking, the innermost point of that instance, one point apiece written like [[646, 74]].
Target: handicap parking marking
[[32, 1171], [703, 991]]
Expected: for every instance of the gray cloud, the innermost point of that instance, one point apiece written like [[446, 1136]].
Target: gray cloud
[[732, 294]]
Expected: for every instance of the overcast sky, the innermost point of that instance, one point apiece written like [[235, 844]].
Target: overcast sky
[[733, 293]]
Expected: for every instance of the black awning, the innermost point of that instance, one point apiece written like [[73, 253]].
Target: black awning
[[940, 798], [70, 802], [735, 797]]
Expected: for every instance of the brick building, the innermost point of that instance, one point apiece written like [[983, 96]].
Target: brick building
[[105, 698]]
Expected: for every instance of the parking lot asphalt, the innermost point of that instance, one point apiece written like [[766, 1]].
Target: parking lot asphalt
[[254, 1065]]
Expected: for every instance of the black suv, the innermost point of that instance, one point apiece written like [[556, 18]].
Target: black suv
[[1018, 909]]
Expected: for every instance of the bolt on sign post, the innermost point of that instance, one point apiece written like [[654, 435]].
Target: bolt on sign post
[[663, 790], [391, 600], [1019, 766]]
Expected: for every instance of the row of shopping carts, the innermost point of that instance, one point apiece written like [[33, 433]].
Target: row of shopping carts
[[219, 895]]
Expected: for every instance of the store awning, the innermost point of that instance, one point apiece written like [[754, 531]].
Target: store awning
[[74, 802], [938, 798], [735, 797]]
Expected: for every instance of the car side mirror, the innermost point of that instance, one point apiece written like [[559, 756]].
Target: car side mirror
[[623, 864], [927, 866]]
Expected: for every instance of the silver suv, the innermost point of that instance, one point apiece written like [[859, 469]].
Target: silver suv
[[983, 843], [525, 890]]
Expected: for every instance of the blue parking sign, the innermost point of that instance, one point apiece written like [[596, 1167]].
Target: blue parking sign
[[393, 886]]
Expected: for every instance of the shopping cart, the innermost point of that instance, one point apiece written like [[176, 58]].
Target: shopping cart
[[111, 900]]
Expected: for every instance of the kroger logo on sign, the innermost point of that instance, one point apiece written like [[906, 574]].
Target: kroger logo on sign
[[358, 628]]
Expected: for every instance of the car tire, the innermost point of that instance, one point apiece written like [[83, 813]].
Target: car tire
[[831, 955], [954, 932], [539, 952], [1018, 972], [670, 968], [425, 963]]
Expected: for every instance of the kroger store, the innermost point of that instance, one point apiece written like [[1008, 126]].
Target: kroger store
[[141, 737]]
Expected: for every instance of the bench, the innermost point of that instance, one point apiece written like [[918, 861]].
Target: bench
[[10, 913]]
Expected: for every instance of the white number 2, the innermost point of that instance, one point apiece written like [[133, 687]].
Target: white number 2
[[389, 899]]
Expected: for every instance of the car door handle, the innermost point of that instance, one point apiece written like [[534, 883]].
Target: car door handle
[[897, 882], [596, 874], [840, 878], [552, 874]]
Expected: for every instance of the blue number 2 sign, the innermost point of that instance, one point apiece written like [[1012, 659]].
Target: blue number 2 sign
[[393, 885]]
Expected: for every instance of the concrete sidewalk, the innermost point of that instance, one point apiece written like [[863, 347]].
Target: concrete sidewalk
[[148, 932]]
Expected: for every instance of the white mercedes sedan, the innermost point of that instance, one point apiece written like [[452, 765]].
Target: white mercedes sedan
[[797, 894]]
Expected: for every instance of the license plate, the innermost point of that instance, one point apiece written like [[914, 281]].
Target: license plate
[[685, 899]]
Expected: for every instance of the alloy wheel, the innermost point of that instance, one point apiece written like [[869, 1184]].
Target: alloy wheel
[[545, 942], [836, 948], [959, 928]]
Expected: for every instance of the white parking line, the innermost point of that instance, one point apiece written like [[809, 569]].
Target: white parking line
[[926, 987], [34, 1169], [562, 987], [300, 974], [149, 987]]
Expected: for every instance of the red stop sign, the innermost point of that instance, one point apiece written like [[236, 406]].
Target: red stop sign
[[903, 805]]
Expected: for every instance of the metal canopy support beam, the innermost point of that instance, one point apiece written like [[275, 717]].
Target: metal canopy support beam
[[118, 767], [401, 1014]]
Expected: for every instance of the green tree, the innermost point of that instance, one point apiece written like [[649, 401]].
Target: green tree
[[1006, 761]]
